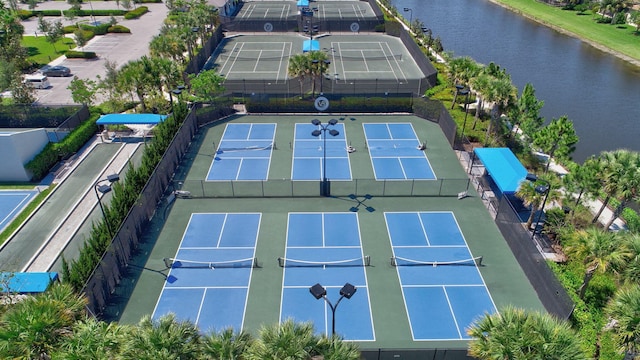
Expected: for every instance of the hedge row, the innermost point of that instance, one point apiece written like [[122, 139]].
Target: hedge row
[[125, 194], [72, 54], [53, 152], [136, 13], [90, 31], [26, 14]]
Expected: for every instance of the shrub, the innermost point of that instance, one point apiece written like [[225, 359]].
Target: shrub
[[97, 30], [72, 54], [48, 157], [25, 14], [119, 29], [136, 13], [70, 29], [632, 219], [149, 1]]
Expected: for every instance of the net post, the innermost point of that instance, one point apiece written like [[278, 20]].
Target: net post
[[254, 262], [281, 262], [274, 146], [393, 261], [367, 260], [167, 262], [479, 261]]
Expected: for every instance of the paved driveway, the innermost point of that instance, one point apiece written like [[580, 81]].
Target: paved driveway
[[119, 48]]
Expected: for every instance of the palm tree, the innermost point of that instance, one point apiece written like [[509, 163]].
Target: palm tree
[[617, 166], [480, 85], [286, 341], [518, 334], [501, 93], [297, 68], [624, 309], [334, 348], [93, 339], [602, 251], [34, 327], [163, 339], [318, 67], [583, 178], [632, 267], [629, 185], [533, 198], [226, 345]]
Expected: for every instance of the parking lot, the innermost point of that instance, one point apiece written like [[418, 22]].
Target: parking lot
[[119, 48]]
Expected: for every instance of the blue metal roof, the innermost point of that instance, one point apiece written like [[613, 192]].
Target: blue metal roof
[[504, 168], [310, 45], [137, 119], [26, 282]]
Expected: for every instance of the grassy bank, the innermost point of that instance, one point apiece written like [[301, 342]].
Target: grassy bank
[[621, 41]]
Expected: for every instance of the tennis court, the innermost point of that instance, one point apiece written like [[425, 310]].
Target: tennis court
[[267, 11], [377, 59], [395, 152], [309, 151], [325, 248], [439, 276], [261, 59], [208, 281], [352, 10], [244, 153], [11, 203]]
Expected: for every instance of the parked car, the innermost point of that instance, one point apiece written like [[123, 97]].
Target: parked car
[[57, 70], [38, 81]]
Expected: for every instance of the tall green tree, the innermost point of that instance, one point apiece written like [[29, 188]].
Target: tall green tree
[[558, 139], [515, 334], [582, 179], [206, 85], [526, 113], [318, 67], [83, 91], [601, 251], [629, 185], [624, 310]]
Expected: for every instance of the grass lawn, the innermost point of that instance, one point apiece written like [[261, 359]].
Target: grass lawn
[[622, 39], [42, 52]]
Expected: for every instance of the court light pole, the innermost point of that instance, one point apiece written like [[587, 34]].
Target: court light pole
[[103, 189], [466, 112], [177, 91], [347, 291], [410, 10], [324, 186], [541, 189]]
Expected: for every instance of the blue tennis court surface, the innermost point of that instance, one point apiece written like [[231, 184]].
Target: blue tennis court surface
[[394, 152], [11, 203], [244, 153], [442, 301], [325, 248], [308, 154], [208, 282]]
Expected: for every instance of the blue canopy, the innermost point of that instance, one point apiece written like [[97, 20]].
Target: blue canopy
[[504, 168], [123, 119], [303, 3], [26, 282], [310, 45]]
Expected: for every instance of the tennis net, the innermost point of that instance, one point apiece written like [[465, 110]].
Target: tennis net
[[279, 57], [361, 261], [240, 263], [246, 148], [400, 261]]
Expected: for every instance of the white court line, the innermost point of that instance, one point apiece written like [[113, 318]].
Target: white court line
[[404, 76], [266, 13], [255, 67], [239, 168], [388, 61], [10, 216], [453, 313], [364, 59], [221, 231]]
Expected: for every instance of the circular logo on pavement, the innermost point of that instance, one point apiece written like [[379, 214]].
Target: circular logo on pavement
[[268, 27], [322, 103], [355, 27]]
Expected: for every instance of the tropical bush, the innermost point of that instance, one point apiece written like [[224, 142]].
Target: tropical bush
[[72, 54], [136, 13], [119, 29]]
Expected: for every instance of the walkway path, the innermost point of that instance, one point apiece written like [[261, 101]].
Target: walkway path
[[51, 249]]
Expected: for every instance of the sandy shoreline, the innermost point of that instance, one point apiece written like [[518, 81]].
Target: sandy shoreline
[[596, 45]]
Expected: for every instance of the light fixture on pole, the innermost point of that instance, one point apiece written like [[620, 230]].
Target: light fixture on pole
[[544, 189], [466, 101], [103, 189], [455, 96], [177, 91], [324, 186], [347, 291], [410, 10]]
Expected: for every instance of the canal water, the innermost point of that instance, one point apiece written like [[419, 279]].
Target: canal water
[[597, 91]]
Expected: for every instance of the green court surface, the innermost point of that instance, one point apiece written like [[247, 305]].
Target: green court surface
[[504, 279], [353, 57], [326, 10]]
